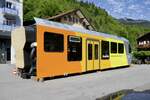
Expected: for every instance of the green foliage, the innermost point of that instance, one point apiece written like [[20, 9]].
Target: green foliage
[[141, 54], [97, 16]]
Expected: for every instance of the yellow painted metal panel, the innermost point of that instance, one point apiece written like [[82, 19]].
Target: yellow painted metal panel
[[116, 60], [83, 62]]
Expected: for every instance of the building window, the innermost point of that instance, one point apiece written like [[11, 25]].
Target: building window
[[74, 48], [113, 47], [120, 48], [96, 51], [11, 22], [77, 20], [71, 18], [90, 55], [65, 18], [105, 49], [74, 19], [8, 5], [84, 24], [53, 42], [87, 26]]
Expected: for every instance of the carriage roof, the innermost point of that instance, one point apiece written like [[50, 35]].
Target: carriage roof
[[45, 22]]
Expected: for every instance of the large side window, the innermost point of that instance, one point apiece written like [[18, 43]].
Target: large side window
[[74, 48], [105, 49], [120, 48], [113, 47], [130, 50], [53, 42]]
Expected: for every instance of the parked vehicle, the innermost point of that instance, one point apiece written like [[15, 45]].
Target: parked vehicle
[[63, 49]]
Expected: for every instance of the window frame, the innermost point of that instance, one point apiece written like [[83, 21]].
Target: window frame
[[120, 49], [57, 51], [102, 57], [116, 48], [72, 41]]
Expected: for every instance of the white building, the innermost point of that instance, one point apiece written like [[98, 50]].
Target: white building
[[11, 16]]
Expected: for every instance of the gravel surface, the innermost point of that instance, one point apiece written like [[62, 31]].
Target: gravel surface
[[81, 87]]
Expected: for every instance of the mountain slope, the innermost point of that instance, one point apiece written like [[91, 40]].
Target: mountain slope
[[127, 21]]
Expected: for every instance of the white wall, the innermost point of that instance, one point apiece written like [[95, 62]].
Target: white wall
[[13, 55], [19, 6]]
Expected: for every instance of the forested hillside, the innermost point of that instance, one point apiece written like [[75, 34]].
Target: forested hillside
[[128, 21], [98, 17]]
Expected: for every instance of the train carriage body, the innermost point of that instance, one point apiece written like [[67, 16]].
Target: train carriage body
[[62, 49]]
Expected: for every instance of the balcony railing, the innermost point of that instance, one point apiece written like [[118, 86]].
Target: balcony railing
[[6, 27], [9, 11], [1, 10], [144, 46], [13, 0]]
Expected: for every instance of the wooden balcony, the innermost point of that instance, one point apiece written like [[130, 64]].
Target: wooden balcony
[[144, 46]]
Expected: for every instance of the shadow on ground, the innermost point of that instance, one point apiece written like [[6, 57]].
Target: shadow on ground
[[127, 95]]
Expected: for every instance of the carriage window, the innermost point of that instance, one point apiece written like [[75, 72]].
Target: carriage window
[[130, 50], [90, 56], [74, 48], [113, 47], [120, 48], [53, 42], [96, 51], [105, 49]]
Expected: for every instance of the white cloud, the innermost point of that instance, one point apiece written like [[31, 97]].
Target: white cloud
[[133, 7], [125, 8], [117, 6], [112, 2], [141, 16], [147, 2]]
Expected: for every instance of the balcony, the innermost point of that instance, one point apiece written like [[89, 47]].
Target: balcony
[[6, 27], [9, 11], [1, 10], [13, 0], [144, 46]]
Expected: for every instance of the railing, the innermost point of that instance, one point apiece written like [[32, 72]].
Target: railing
[[9, 11], [144, 46], [6, 27], [1, 10], [14, 1]]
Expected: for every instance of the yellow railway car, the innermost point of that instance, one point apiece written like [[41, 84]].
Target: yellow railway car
[[47, 49]]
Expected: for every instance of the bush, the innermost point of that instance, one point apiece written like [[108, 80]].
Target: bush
[[141, 54]]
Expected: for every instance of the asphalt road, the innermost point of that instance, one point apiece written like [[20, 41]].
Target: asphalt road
[[81, 87]]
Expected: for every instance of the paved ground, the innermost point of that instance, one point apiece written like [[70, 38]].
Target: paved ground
[[81, 87]]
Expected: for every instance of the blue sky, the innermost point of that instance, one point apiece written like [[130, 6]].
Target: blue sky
[[135, 9]]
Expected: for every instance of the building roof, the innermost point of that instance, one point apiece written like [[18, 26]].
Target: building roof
[[146, 35], [77, 11], [62, 14]]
